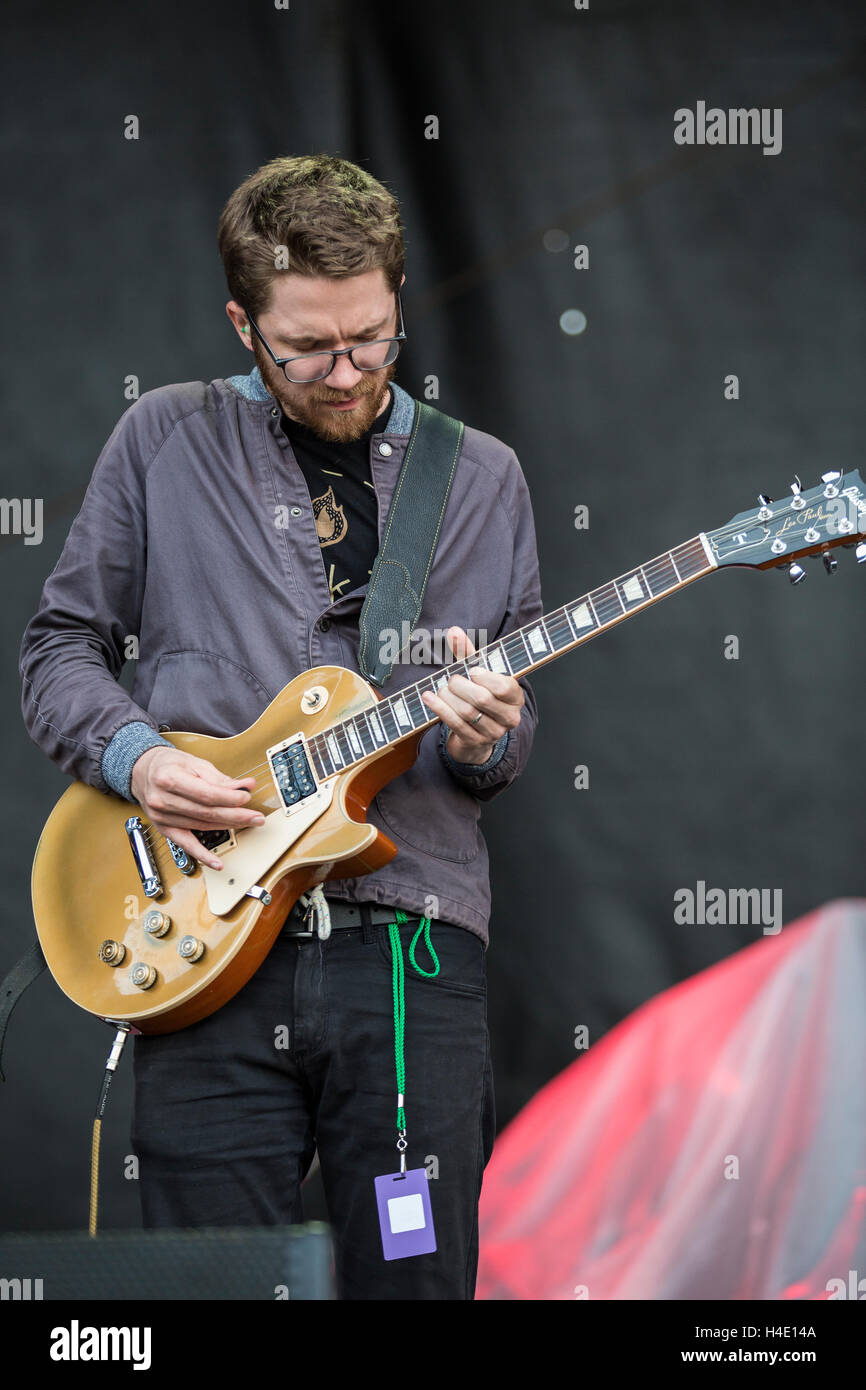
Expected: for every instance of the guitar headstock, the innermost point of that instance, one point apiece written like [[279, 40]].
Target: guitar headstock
[[806, 523]]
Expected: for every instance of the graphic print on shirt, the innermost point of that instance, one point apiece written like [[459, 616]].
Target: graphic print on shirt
[[333, 527], [344, 502], [331, 520]]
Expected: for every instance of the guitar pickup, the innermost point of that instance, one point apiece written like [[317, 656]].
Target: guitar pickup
[[290, 769]]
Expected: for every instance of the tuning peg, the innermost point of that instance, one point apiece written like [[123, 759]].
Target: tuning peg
[[830, 562], [796, 573], [830, 480], [764, 499], [860, 553], [795, 488]]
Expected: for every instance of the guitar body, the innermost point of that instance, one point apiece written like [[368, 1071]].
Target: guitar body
[[87, 889]]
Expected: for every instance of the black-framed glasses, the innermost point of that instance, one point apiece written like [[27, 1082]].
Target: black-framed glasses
[[313, 366]]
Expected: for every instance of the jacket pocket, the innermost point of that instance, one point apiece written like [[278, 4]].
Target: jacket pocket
[[202, 692], [424, 807]]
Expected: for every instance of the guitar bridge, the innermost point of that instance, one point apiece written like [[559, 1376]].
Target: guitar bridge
[[145, 863]]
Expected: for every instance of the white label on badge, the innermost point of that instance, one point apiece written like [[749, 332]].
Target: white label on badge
[[406, 1213]]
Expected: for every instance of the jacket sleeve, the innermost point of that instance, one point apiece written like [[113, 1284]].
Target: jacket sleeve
[[74, 648], [511, 753]]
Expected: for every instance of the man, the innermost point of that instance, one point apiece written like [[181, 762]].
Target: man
[[230, 529]]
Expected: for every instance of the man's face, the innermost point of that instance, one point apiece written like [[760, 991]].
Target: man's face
[[309, 313]]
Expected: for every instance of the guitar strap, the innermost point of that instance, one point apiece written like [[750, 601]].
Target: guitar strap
[[28, 968], [410, 538]]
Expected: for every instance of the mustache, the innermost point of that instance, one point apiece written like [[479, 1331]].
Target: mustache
[[354, 395]]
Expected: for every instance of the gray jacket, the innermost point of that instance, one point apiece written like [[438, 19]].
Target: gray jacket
[[196, 553]]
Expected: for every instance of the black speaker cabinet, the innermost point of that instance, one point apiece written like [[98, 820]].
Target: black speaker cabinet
[[254, 1263]]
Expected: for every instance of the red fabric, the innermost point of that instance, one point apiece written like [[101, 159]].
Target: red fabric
[[611, 1183]]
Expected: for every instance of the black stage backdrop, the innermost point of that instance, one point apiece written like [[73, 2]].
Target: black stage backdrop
[[512, 133]]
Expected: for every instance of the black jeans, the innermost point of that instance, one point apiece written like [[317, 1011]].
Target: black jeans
[[229, 1112]]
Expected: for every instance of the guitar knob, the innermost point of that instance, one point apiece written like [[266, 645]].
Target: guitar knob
[[190, 948], [111, 952], [830, 562], [142, 975], [156, 923], [796, 574]]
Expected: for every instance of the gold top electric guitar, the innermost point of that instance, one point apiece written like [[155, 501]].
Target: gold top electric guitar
[[136, 931]]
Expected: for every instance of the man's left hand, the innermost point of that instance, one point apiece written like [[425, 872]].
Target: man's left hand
[[498, 697]]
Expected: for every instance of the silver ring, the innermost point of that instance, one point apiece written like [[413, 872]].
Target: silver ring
[[479, 715]]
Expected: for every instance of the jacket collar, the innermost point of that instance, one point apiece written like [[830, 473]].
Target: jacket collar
[[400, 421]]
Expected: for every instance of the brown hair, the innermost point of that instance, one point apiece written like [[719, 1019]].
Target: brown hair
[[308, 215]]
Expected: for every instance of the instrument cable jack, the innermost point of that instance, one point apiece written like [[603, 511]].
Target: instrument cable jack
[[123, 1031]]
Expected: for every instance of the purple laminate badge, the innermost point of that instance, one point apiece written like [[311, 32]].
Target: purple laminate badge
[[405, 1214]]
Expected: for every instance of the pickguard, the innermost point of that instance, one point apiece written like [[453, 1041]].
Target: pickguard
[[258, 847]]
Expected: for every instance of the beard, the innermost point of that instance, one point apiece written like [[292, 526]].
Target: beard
[[308, 405]]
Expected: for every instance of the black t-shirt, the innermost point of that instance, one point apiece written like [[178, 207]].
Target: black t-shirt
[[344, 501]]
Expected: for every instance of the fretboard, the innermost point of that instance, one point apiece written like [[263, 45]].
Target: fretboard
[[516, 654]]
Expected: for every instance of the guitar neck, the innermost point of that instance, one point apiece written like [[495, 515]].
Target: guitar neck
[[517, 654]]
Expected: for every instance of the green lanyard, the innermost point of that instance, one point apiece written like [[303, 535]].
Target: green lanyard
[[397, 979]]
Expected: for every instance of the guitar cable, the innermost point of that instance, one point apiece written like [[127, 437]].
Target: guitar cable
[[122, 1034]]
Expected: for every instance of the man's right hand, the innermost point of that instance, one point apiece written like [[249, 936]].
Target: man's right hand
[[180, 793]]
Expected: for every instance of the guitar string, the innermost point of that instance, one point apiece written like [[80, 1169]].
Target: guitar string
[[558, 623], [555, 623]]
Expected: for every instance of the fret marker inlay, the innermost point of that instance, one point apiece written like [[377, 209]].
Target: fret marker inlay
[[581, 616], [633, 589]]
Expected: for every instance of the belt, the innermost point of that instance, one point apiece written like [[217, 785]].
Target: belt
[[343, 915]]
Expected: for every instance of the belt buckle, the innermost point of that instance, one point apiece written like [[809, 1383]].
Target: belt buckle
[[299, 919]]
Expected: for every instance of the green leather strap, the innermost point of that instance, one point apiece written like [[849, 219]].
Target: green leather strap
[[410, 537]]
